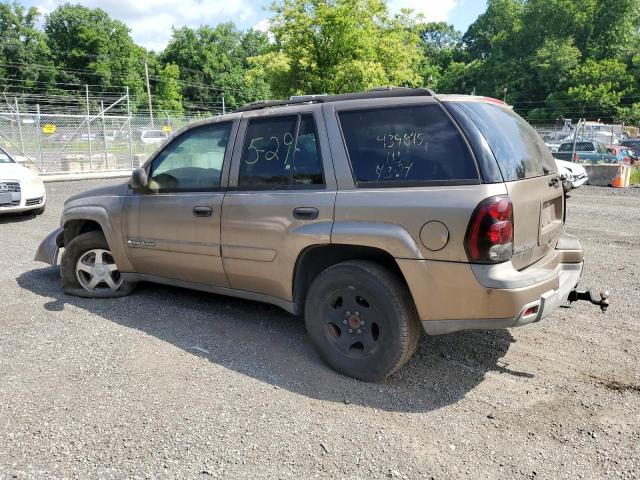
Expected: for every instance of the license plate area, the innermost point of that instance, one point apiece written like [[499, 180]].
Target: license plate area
[[550, 218], [6, 198]]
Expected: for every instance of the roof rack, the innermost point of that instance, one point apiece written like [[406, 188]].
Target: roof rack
[[379, 92]]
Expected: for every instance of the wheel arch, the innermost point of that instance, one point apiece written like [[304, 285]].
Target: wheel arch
[[315, 259], [78, 226], [78, 220]]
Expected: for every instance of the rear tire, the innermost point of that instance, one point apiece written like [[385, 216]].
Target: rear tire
[[362, 320], [88, 269]]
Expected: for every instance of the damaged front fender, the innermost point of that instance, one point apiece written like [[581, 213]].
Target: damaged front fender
[[49, 249]]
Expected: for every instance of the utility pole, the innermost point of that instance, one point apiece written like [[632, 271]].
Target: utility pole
[[224, 110], [146, 74]]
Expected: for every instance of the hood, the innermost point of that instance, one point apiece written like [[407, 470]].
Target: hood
[[15, 171], [111, 191]]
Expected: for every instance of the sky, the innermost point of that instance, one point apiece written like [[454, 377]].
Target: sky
[[150, 21]]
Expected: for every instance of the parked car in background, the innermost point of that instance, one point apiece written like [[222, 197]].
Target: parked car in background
[[553, 140], [371, 214], [152, 137], [573, 175], [623, 154], [632, 144], [20, 189], [587, 152]]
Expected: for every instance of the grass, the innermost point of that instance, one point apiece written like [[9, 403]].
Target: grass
[[635, 176]]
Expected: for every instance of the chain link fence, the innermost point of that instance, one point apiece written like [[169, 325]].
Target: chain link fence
[[112, 138], [106, 139], [583, 131]]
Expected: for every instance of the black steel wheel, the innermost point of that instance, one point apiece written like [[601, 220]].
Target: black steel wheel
[[352, 323], [361, 319]]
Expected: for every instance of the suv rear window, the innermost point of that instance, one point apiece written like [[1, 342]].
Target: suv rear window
[[406, 145], [519, 150]]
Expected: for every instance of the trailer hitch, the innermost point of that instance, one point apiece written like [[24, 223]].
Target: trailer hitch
[[587, 295]]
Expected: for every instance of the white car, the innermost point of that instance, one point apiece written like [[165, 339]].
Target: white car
[[153, 137], [573, 175], [20, 189]]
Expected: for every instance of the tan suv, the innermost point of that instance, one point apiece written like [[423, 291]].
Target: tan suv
[[369, 213]]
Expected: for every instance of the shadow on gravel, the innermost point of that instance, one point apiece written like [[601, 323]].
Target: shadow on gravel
[[270, 345], [16, 217]]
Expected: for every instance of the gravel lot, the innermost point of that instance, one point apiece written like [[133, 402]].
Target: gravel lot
[[169, 383]]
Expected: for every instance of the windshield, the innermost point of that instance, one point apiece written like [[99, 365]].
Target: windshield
[[519, 150], [4, 158], [580, 147]]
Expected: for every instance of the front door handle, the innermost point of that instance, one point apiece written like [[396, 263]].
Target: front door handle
[[202, 211], [306, 213]]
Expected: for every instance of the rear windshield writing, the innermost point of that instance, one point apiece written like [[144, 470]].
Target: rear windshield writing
[[519, 150], [405, 144]]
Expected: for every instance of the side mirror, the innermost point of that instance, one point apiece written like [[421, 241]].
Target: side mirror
[[139, 180]]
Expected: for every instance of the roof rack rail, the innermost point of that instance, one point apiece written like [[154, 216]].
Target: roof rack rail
[[378, 92]]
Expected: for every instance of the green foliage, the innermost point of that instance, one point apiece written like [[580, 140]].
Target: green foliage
[[630, 114], [335, 46], [213, 62], [571, 58], [90, 47], [25, 58], [167, 94]]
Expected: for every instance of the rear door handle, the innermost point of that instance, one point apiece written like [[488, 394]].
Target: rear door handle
[[202, 211], [306, 213]]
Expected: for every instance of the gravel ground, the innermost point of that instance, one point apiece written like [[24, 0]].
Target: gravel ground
[[169, 383]]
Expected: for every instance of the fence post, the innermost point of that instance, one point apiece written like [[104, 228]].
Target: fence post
[[130, 131], [39, 136], [575, 139], [104, 135], [19, 120], [89, 129]]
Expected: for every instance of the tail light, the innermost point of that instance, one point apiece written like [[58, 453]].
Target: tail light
[[576, 157], [489, 236]]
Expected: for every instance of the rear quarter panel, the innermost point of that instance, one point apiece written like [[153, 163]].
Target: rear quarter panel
[[361, 214]]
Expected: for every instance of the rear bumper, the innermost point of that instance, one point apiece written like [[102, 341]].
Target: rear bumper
[[534, 311], [458, 296]]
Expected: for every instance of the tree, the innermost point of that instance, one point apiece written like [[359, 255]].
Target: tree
[[25, 58], [90, 47], [440, 42], [167, 93], [334, 46], [552, 63], [213, 63]]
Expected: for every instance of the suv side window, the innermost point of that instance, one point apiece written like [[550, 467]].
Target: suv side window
[[281, 153], [192, 162], [405, 145]]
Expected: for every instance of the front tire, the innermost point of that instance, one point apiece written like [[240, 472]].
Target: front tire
[[88, 269], [362, 320]]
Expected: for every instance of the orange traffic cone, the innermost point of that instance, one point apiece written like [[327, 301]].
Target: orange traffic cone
[[618, 182]]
